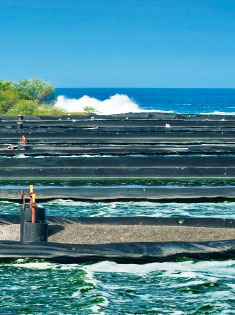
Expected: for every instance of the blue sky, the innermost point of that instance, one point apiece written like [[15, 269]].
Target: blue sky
[[119, 43]]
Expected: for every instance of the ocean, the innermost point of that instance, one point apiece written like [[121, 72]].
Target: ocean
[[181, 287], [118, 100]]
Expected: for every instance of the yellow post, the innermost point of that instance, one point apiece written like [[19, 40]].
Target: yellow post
[[34, 197], [31, 188]]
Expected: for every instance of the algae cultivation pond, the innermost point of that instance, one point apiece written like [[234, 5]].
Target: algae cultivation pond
[[151, 165], [69, 208], [188, 287], [182, 287]]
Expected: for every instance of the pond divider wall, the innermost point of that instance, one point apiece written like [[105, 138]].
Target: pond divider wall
[[134, 252], [129, 220], [108, 194], [120, 252]]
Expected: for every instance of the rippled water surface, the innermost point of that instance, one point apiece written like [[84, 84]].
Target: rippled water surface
[[70, 208], [30, 287], [183, 287]]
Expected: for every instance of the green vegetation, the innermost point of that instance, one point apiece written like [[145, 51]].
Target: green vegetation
[[28, 97], [89, 110]]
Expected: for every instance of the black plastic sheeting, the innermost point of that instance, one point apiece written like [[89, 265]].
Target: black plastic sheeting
[[121, 150], [96, 133], [182, 194], [106, 173], [167, 221], [100, 123], [59, 142], [107, 129], [129, 116], [175, 221], [120, 129], [120, 252], [123, 161]]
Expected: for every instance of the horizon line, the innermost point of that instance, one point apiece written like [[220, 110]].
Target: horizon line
[[129, 87]]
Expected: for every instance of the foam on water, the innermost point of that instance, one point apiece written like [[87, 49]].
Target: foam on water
[[49, 288], [189, 287], [175, 288], [115, 104], [153, 209], [69, 208], [10, 208], [185, 269], [192, 101]]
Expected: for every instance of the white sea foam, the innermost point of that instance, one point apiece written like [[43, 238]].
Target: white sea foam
[[107, 266], [205, 270], [144, 208], [40, 265], [116, 104]]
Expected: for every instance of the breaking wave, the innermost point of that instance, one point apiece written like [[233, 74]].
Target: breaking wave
[[116, 104]]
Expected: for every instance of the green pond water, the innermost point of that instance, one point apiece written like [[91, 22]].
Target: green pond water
[[183, 287], [69, 208], [190, 287]]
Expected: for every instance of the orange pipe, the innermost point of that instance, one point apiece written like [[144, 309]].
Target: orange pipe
[[30, 201], [34, 213], [33, 205]]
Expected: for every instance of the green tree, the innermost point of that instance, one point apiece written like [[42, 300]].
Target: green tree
[[31, 107], [8, 98], [24, 107], [89, 109], [36, 89], [7, 85], [31, 97]]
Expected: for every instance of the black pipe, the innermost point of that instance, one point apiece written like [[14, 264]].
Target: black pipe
[[33, 232]]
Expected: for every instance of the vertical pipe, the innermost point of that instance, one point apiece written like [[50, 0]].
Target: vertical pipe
[[33, 215], [33, 204]]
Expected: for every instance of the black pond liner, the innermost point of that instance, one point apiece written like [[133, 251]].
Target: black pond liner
[[122, 161], [125, 252], [159, 194], [139, 252], [120, 252], [112, 172], [133, 220], [118, 150]]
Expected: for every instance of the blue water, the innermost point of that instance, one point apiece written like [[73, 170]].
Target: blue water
[[176, 100]]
